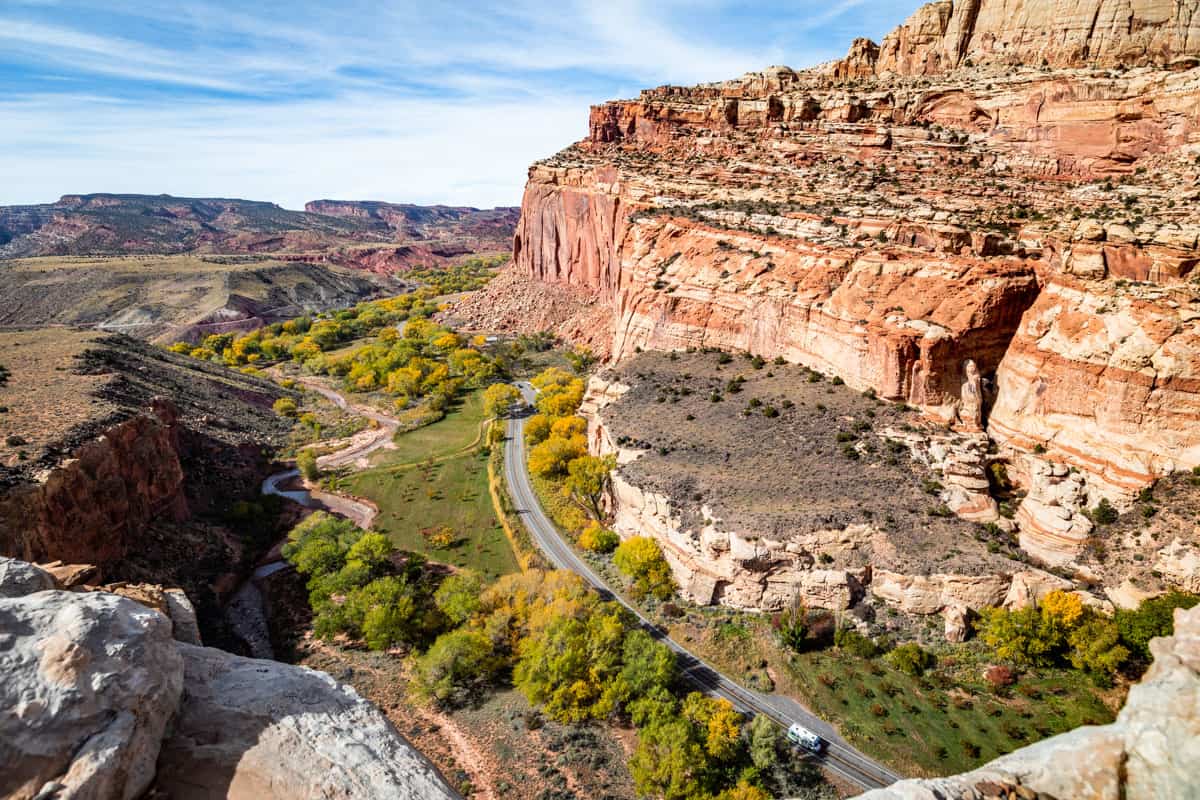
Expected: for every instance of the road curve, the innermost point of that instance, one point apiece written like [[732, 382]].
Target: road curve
[[838, 757]]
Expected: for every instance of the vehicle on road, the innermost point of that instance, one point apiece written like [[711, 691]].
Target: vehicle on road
[[803, 737]]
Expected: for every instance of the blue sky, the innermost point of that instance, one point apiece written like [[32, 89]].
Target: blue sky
[[411, 102]]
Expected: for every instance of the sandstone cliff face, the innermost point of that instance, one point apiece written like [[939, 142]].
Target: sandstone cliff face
[[944, 35], [1009, 184], [104, 495], [1151, 751]]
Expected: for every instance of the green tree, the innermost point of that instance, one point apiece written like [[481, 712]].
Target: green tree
[[571, 665], [318, 544], [647, 668], [1154, 617], [687, 750], [765, 741], [588, 480], [456, 668], [459, 595], [384, 612], [372, 550], [306, 462], [499, 398], [1096, 649]]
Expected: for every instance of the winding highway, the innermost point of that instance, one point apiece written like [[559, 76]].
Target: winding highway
[[838, 757]]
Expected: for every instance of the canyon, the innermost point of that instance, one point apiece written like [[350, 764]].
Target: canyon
[[132, 460], [169, 268], [989, 216]]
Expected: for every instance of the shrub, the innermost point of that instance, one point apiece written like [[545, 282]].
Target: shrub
[[855, 643], [1000, 676], [1104, 513], [792, 629], [285, 407], [598, 539], [911, 659], [306, 462], [641, 559]]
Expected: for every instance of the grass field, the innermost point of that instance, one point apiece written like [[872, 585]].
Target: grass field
[[427, 486], [947, 721], [456, 432]]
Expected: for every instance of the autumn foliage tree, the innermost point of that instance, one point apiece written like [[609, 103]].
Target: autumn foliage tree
[[685, 749], [588, 481], [499, 398], [641, 560]]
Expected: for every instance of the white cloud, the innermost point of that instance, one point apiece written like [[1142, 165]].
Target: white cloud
[[358, 148], [419, 101]]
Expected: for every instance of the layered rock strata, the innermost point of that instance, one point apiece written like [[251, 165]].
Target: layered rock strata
[[991, 215], [737, 533]]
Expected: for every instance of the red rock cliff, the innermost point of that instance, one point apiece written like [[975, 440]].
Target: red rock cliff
[[92, 507]]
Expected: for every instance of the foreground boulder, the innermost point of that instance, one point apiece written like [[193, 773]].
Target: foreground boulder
[[19, 578], [1151, 751], [99, 701], [90, 683], [258, 729]]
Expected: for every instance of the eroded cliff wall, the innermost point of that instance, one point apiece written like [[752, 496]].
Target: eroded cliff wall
[[1010, 184]]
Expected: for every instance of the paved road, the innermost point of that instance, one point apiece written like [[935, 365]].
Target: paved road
[[839, 757]]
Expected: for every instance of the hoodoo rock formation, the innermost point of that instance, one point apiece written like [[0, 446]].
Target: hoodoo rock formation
[[992, 215]]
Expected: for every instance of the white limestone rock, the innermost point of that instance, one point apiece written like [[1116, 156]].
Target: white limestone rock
[[259, 729], [19, 578], [90, 682]]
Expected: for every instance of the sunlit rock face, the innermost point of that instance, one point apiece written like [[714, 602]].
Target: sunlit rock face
[[990, 215]]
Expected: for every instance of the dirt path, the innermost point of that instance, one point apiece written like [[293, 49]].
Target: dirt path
[[245, 609], [354, 451]]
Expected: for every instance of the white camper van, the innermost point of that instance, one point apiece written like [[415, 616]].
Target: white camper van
[[803, 737]]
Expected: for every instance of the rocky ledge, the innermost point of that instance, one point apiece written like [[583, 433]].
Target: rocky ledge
[[101, 702]]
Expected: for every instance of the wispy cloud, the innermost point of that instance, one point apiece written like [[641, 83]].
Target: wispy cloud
[[292, 99]]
